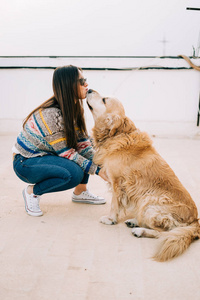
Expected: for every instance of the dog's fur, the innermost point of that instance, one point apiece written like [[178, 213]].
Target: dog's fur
[[142, 183]]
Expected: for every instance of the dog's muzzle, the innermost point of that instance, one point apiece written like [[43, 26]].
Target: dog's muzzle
[[89, 92]]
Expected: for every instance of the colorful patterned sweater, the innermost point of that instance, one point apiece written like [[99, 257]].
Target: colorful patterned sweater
[[43, 134]]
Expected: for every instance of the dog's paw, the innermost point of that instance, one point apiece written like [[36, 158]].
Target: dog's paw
[[138, 232], [108, 221], [131, 223]]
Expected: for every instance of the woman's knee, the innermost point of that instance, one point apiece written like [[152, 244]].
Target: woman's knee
[[70, 170], [69, 182], [69, 177], [77, 176]]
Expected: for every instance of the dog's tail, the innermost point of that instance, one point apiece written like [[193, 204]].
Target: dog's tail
[[175, 242]]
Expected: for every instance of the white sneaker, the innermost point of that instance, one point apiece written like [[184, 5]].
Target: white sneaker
[[32, 204], [88, 198]]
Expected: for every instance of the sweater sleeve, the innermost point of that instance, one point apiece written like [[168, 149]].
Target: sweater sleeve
[[85, 148], [61, 149]]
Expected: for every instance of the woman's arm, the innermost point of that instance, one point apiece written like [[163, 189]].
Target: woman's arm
[[86, 165], [51, 123], [84, 148]]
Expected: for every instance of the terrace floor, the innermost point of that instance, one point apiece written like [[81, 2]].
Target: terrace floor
[[68, 254]]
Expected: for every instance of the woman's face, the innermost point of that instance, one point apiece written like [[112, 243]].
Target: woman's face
[[82, 86]]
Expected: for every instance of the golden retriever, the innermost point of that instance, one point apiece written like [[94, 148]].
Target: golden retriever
[[143, 185]]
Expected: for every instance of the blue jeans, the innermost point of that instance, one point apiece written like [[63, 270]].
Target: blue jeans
[[49, 173]]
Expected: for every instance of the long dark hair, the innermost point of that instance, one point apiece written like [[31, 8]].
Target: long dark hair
[[65, 88]]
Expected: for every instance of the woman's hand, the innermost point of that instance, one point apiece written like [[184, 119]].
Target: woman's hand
[[103, 175]]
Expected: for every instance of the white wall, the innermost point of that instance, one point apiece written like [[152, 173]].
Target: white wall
[[159, 101]]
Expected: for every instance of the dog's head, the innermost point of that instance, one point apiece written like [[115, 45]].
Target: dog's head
[[100, 106], [109, 116]]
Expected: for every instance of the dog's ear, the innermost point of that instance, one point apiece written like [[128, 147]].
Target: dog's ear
[[118, 124], [106, 127], [113, 123]]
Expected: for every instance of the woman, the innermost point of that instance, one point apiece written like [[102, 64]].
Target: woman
[[52, 152]]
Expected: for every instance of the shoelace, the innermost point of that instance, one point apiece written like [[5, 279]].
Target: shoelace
[[34, 202], [90, 195]]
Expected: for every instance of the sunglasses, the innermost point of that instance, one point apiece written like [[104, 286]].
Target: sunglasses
[[82, 81]]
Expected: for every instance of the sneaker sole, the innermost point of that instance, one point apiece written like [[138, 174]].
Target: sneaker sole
[[88, 202], [27, 210]]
